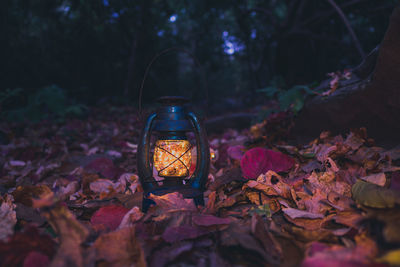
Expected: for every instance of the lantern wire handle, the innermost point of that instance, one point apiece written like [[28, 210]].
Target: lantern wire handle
[[166, 51]]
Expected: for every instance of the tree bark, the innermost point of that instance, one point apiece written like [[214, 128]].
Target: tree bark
[[372, 102]]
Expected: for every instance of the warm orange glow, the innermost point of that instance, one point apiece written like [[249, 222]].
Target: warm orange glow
[[212, 155], [172, 158]]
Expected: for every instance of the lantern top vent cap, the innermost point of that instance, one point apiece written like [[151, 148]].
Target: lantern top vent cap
[[173, 100]]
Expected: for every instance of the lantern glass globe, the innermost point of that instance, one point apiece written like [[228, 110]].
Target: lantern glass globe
[[172, 158]]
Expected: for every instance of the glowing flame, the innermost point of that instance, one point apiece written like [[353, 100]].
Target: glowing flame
[[212, 155], [172, 158]]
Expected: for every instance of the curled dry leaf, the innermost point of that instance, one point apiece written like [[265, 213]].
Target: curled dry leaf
[[24, 194], [295, 213], [127, 181], [173, 202], [276, 181], [119, 248], [101, 186], [71, 236], [8, 217], [131, 217], [354, 141]]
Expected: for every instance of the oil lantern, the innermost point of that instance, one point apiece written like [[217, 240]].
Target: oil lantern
[[171, 156]]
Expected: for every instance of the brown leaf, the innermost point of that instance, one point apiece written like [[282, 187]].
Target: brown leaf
[[354, 141], [234, 174], [348, 218], [24, 194], [71, 235], [295, 213], [173, 202], [119, 248], [260, 231]]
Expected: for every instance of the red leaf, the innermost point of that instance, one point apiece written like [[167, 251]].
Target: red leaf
[[105, 167], [259, 160], [178, 233], [20, 245], [109, 216], [36, 259]]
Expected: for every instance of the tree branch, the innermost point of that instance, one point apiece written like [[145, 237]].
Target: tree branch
[[349, 28]]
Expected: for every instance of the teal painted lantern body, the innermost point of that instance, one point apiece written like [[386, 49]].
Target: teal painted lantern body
[[172, 156]]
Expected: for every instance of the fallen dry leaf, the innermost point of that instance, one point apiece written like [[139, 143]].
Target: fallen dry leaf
[[109, 216], [22, 244], [71, 236], [119, 248], [8, 217]]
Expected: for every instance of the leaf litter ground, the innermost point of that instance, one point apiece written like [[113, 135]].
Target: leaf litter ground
[[70, 196]]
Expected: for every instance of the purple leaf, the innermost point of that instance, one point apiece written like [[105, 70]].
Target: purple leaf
[[178, 233], [105, 167], [209, 220], [236, 152]]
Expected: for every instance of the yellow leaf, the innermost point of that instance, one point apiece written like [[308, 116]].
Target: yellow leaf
[[392, 258]]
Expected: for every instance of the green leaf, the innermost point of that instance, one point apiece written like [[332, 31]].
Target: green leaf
[[292, 96], [263, 210], [308, 155], [374, 196]]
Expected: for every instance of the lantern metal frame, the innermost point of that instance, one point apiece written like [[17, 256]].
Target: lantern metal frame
[[172, 121]]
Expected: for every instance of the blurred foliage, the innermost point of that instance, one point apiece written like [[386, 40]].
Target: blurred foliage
[[292, 99], [98, 49], [47, 103]]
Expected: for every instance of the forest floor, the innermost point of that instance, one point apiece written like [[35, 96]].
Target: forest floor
[[70, 196]]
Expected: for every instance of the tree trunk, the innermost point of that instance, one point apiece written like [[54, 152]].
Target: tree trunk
[[372, 102]]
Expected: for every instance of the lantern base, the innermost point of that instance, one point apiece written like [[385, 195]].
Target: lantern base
[[195, 194]]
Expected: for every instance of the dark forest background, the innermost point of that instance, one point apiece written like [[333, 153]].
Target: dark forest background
[[68, 54]]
